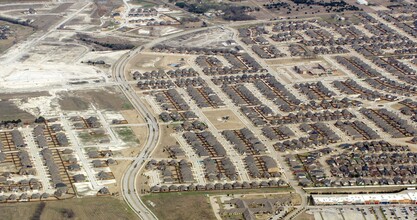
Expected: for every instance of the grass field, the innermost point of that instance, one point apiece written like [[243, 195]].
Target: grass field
[[9, 111], [144, 3], [126, 134], [19, 33], [107, 98], [170, 206], [88, 138], [82, 208], [193, 205]]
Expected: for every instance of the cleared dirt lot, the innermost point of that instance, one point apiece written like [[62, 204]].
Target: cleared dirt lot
[[215, 117], [118, 170], [44, 22], [165, 141], [304, 216], [149, 62], [132, 116], [83, 208], [106, 98]]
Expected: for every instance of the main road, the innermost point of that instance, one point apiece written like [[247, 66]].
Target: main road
[[129, 192]]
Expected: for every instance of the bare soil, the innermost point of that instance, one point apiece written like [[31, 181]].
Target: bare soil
[[215, 117], [165, 141], [149, 62], [304, 216]]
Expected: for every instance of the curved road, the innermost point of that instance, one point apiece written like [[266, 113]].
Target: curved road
[[129, 178]]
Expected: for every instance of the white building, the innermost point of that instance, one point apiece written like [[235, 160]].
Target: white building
[[362, 2]]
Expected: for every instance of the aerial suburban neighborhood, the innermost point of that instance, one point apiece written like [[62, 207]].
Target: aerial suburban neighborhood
[[230, 109]]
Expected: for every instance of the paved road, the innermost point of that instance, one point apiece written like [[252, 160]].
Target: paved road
[[129, 178]]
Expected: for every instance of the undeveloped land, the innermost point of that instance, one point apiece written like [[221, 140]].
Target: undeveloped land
[[169, 206], [166, 140], [149, 62], [9, 111], [215, 117], [193, 204], [19, 33], [82, 208], [304, 216], [107, 98]]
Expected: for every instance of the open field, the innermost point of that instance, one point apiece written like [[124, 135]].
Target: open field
[[19, 32], [44, 22], [132, 116], [107, 98], [83, 208], [118, 171], [9, 111], [144, 3], [165, 141], [126, 134], [175, 205], [304, 216], [180, 206], [149, 62], [215, 117]]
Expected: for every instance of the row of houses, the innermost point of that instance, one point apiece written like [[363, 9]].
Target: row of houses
[[390, 122], [17, 138], [241, 95], [9, 185], [208, 62], [173, 171], [351, 87], [220, 186], [315, 90], [234, 79], [155, 84], [142, 12], [195, 81], [357, 130], [244, 141], [268, 52], [204, 97], [280, 132], [194, 50], [53, 168], [277, 93], [220, 169], [262, 166], [171, 100], [205, 144]]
